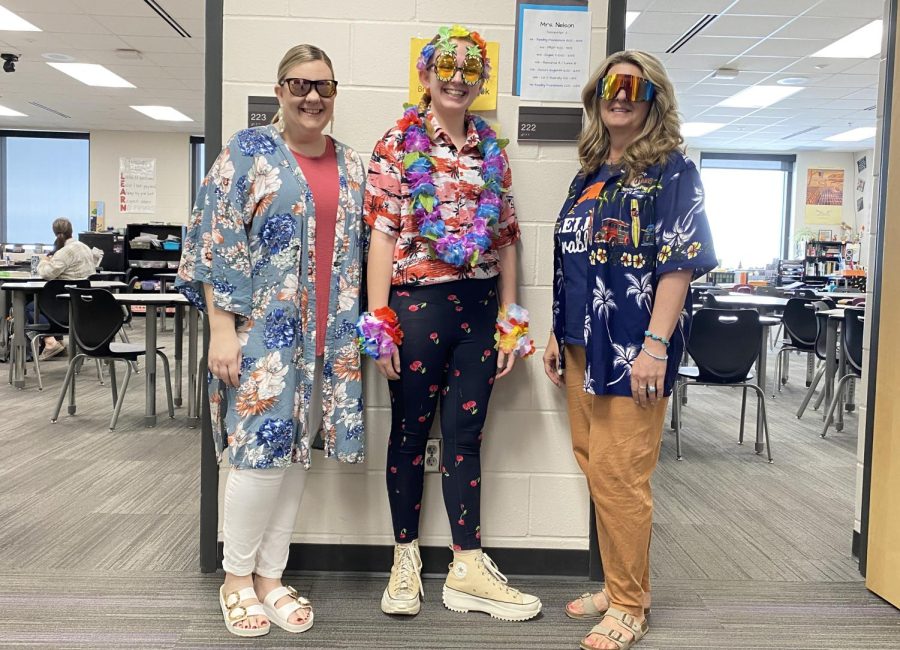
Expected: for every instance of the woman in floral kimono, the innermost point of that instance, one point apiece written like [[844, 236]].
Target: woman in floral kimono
[[631, 235], [273, 254]]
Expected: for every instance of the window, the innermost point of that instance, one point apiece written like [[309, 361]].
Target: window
[[748, 203], [29, 202]]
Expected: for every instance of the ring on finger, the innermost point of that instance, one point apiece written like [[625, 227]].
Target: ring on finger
[[651, 389]]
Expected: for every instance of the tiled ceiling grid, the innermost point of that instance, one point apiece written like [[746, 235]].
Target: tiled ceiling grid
[[766, 40], [169, 71]]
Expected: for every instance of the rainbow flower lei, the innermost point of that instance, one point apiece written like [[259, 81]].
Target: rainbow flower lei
[[459, 250]]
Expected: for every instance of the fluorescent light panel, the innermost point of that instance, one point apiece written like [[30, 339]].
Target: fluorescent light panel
[[10, 22], [758, 96], [92, 74], [165, 113], [865, 42], [630, 17], [8, 112], [853, 135], [697, 129]]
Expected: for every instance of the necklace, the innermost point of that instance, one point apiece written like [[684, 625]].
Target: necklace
[[459, 250]]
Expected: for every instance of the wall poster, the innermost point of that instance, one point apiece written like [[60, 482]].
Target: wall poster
[[137, 185], [824, 195]]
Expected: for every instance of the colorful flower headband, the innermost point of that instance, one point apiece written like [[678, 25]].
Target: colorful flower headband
[[477, 66]]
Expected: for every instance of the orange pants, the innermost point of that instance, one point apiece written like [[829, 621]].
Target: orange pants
[[616, 444]]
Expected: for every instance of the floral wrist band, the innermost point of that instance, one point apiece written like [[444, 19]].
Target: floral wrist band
[[379, 332], [512, 331]]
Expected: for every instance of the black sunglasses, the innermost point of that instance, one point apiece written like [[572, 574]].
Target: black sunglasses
[[301, 87]]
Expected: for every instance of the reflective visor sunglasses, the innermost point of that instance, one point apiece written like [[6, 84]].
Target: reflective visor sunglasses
[[301, 87], [445, 68], [637, 89]]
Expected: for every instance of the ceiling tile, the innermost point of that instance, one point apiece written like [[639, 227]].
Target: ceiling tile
[[756, 26], [673, 24], [772, 7], [764, 63], [824, 28], [732, 46], [793, 47]]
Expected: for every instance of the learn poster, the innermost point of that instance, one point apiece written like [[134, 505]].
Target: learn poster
[[486, 101], [824, 195], [137, 185]]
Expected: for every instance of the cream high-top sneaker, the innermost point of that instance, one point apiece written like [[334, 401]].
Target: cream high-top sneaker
[[402, 595], [476, 584]]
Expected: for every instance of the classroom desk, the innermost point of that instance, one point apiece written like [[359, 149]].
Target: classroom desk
[[153, 301], [20, 292]]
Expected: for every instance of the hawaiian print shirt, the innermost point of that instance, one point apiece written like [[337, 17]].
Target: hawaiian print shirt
[[252, 237], [457, 180], [638, 232]]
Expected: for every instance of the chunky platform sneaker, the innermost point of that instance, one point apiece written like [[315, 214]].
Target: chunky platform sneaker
[[404, 591], [476, 585]]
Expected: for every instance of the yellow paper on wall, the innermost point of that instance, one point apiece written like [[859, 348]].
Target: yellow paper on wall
[[823, 214], [487, 100]]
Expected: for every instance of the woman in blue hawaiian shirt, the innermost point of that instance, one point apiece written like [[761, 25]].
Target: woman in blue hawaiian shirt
[[273, 254], [631, 235]]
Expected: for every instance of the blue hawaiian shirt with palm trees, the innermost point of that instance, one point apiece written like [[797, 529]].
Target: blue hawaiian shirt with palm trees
[[638, 231]]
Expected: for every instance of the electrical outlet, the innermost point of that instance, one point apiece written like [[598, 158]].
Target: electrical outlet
[[433, 455]]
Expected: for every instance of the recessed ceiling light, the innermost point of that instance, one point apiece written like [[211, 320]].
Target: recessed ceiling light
[[165, 113], [92, 74], [10, 22], [8, 112], [630, 17], [853, 135], [697, 129], [758, 96], [792, 81], [865, 42], [57, 56], [726, 73]]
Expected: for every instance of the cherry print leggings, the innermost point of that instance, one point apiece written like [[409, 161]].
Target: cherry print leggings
[[447, 354]]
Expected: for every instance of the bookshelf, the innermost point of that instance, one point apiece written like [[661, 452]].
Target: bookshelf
[[145, 261], [823, 259]]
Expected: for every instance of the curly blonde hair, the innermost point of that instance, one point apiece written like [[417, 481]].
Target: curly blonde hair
[[661, 134]]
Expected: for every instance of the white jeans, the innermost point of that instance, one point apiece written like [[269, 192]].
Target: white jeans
[[261, 509]]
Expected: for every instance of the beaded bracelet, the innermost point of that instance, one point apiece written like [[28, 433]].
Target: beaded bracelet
[[654, 356], [379, 332], [512, 331], [655, 337]]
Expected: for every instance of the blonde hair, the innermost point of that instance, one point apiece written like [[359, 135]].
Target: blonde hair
[[661, 134], [303, 53], [62, 228]]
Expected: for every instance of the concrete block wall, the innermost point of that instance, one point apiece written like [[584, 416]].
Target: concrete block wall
[[534, 495]]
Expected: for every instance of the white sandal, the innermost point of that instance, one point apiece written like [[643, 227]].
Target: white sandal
[[281, 615], [234, 612]]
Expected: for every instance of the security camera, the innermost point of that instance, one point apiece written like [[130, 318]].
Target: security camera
[[9, 61]]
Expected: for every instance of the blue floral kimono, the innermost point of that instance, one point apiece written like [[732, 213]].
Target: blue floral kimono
[[637, 232], [252, 237]]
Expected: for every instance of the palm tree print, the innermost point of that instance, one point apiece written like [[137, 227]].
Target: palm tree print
[[641, 289], [604, 303], [625, 356]]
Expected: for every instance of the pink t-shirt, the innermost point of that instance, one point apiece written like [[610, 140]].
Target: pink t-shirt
[[321, 174]]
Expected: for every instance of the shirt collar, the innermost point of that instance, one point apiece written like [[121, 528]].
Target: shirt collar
[[472, 137]]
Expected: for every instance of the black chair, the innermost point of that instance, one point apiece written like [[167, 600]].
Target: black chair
[[819, 307], [724, 343], [799, 323], [57, 314], [97, 318], [851, 343]]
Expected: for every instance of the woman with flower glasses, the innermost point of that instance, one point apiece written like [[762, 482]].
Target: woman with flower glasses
[[631, 235], [273, 253], [444, 324]]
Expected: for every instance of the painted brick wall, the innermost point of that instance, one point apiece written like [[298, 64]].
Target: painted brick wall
[[534, 494]]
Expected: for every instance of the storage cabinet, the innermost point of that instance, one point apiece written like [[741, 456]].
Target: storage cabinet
[[146, 259]]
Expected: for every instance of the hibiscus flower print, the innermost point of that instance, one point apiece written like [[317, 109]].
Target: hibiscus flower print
[[693, 249], [665, 252], [471, 407], [346, 365], [417, 366]]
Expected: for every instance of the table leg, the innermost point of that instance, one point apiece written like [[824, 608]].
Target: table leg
[[179, 330], [761, 382], [72, 350], [4, 325], [162, 317], [830, 361], [19, 347], [193, 403], [842, 370], [810, 368], [150, 369]]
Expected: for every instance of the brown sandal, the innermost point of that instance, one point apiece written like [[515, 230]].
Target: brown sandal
[[639, 630], [589, 609]]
